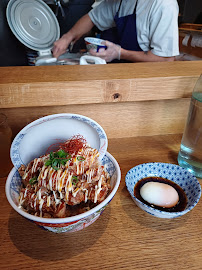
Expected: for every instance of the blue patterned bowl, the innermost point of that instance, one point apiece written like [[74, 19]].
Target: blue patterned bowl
[[172, 172], [94, 43], [69, 224]]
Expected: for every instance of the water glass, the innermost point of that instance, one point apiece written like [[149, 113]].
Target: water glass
[[190, 154]]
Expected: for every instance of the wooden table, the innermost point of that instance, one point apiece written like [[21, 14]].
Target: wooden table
[[124, 237], [129, 101]]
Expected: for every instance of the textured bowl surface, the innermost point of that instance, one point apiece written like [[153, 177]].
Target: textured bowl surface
[[35, 138], [69, 224], [172, 172], [94, 43]]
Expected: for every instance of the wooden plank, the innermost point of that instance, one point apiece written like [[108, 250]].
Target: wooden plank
[[25, 86], [118, 119], [190, 27], [27, 75], [190, 30], [88, 92]]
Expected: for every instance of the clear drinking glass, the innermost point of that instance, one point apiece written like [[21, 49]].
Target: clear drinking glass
[[5, 143], [190, 154]]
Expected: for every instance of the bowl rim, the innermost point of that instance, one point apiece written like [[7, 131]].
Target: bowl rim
[[97, 41], [151, 209], [67, 219], [50, 117]]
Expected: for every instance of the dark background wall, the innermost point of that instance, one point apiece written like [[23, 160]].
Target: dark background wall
[[13, 53], [190, 11]]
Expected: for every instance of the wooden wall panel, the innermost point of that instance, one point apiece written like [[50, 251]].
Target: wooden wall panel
[[88, 92], [127, 100], [56, 86], [118, 119]]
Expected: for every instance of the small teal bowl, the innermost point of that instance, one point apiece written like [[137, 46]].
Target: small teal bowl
[[172, 172]]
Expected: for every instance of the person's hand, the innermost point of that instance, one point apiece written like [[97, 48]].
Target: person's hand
[[112, 52], [60, 46]]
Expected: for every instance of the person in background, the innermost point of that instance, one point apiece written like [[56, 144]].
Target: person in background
[[134, 30], [96, 3]]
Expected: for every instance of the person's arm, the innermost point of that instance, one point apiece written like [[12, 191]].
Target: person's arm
[[114, 51], [83, 26], [140, 56], [161, 40]]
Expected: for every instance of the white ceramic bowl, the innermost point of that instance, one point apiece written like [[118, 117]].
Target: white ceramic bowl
[[69, 224], [172, 172], [94, 43], [35, 138]]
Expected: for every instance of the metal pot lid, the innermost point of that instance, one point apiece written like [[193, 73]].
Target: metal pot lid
[[33, 23]]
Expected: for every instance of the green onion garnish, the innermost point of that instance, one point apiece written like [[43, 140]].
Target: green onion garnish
[[75, 180], [33, 180], [57, 159], [80, 158]]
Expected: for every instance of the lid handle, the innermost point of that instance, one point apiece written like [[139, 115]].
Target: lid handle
[[89, 59]]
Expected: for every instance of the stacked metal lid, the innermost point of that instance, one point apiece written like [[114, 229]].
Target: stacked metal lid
[[33, 23]]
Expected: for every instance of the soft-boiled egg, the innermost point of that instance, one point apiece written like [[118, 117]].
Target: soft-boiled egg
[[159, 194]]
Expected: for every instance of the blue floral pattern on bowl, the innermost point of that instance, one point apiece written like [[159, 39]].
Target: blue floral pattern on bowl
[[175, 173], [94, 43]]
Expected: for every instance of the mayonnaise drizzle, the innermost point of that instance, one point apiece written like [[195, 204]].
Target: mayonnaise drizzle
[[57, 201], [35, 203], [60, 181], [41, 202], [25, 194], [86, 194], [98, 188], [39, 194], [48, 201], [75, 192], [50, 173], [21, 199], [90, 174], [66, 194], [34, 167]]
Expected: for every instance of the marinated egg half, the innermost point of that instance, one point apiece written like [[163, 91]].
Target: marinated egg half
[[161, 193]]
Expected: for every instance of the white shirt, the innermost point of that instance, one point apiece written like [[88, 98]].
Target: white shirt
[[156, 22], [96, 3]]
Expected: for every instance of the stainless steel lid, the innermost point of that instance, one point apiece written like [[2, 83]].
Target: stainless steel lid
[[33, 23]]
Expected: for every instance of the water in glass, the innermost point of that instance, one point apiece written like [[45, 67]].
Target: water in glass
[[190, 154]]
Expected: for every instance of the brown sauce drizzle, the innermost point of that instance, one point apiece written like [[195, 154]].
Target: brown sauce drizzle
[[180, 206]]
